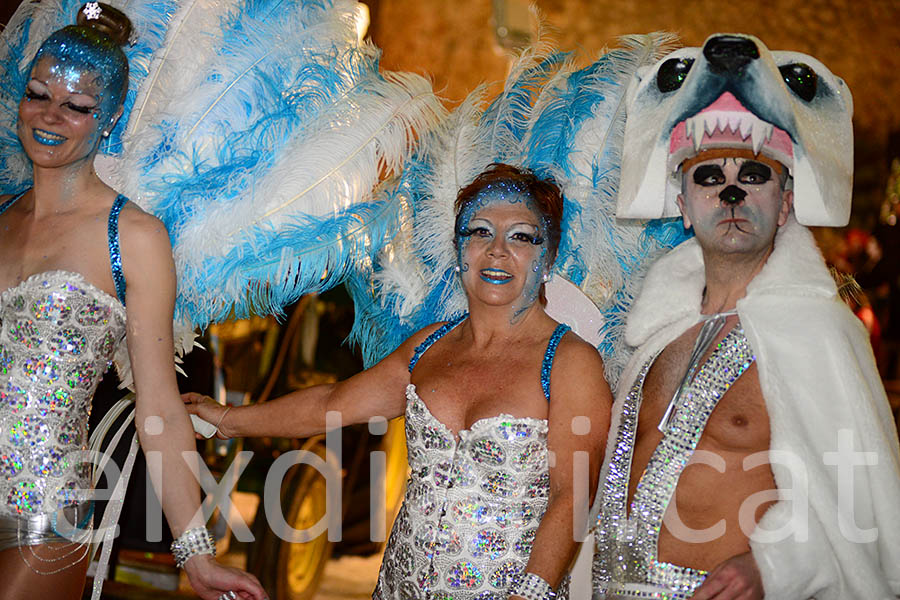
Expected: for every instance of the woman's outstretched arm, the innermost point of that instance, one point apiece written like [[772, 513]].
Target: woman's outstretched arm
[[377, 391]]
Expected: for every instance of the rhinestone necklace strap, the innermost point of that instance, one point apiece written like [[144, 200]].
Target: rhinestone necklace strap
[[712, 326], [549, 355], [431, 339]]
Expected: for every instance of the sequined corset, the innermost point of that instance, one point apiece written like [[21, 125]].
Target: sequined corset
[[471, 510], [58, 335], [625, 564]]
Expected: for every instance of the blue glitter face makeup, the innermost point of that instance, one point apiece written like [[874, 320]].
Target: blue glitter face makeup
[[482, 235], [78, 79], [79, 50]]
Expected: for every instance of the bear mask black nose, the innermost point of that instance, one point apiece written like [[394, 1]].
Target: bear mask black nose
[[729, 54], [732, 195]]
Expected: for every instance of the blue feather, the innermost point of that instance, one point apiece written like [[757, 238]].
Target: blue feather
[[507, 117], [250, 264], [552, 134], [150, 19], [282, 72]]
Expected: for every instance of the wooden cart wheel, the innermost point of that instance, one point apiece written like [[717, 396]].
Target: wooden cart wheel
[[301, 565], [397, 469], [288, 570]]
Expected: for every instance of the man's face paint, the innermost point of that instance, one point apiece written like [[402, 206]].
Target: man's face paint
[[734, 204], [502, 249], [71, 99]]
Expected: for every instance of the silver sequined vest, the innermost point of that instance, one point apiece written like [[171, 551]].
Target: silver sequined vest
[[625, 556]]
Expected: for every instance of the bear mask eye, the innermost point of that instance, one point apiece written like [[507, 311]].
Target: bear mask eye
[[671, 73], [801, 79]]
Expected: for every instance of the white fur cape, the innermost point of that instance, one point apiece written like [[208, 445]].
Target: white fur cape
[[818, 377]]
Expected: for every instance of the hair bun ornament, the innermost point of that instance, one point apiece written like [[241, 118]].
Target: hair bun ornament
[[107, 20], [92, 11]]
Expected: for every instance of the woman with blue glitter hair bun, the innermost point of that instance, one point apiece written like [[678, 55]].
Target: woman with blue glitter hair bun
[[73, 252], [506, 413]]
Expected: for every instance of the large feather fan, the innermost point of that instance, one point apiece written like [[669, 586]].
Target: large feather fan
[[562, 123], [258, 143]]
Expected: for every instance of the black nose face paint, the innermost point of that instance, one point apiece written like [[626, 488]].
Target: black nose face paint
[[732, 195]]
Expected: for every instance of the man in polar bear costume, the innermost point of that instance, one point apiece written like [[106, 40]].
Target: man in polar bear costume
[[752, 450]]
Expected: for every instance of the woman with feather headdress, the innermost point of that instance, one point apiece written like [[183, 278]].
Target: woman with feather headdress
[[488, 397], [72, 248], [226, 99]]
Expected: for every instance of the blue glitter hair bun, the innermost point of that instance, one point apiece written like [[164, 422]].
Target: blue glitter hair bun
[[107, 20]]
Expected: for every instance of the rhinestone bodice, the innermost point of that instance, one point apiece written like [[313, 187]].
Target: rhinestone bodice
[[58, 335], [626, 564], [471, 510]]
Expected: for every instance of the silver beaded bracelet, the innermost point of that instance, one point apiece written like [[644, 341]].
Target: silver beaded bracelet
[[532, 587], [191, 543]]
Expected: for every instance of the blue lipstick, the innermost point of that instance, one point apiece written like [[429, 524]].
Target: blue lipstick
[[495, 276], [47, 138]]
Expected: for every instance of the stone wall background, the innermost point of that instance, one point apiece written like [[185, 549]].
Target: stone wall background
[[454, 42]]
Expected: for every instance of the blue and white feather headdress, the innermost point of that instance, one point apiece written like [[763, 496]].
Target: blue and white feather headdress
[[558, 121], [258, 143]]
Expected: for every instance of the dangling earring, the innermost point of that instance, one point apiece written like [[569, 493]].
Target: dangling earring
[[105, 134], [456, 268]]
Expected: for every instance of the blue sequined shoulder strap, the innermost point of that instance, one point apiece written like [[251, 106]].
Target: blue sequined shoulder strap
[[9, 202], [435, 336], [115, 254], [549, 355]]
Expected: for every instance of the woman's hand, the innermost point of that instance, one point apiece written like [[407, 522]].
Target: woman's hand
[[209, 410], [211, 580]]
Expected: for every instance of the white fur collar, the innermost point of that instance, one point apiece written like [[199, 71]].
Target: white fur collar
[[674, 285]]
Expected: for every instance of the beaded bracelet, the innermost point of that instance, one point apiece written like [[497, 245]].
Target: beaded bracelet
[[532, 587], [191, 543]]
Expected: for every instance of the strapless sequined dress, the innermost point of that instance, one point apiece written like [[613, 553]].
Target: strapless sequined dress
[[58, 336], [472, 506]]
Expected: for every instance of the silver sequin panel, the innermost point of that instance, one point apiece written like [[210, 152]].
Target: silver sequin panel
[[625, 558], [471, 510], [58, 335]]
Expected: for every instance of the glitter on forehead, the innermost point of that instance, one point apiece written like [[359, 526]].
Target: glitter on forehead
[[513, 192], [78, 50]]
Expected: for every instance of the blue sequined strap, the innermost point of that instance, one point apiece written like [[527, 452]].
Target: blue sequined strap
[[10, 202], [115, 254], [435, 336], [549, 355]]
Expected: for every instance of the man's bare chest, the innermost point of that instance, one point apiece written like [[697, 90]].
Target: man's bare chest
[[738, 422]]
